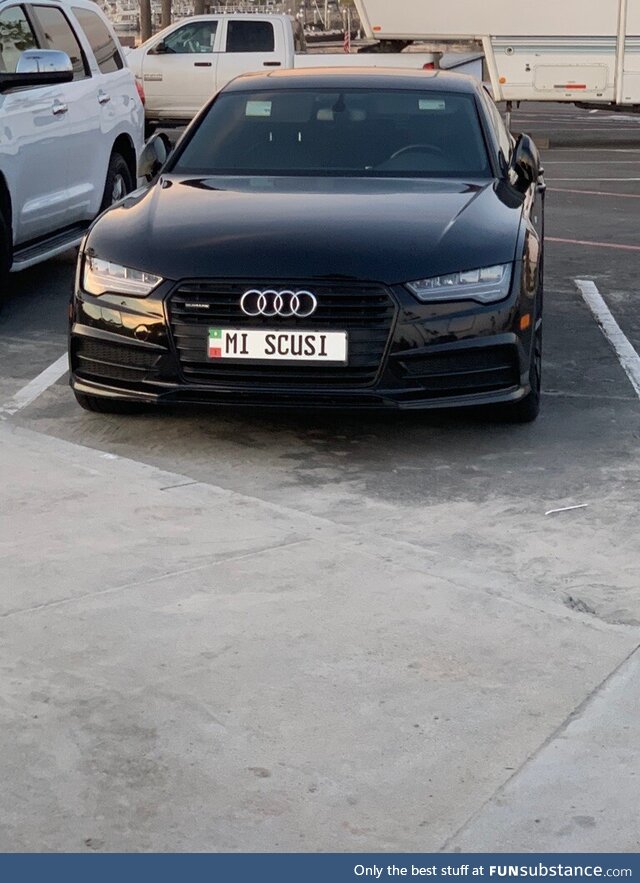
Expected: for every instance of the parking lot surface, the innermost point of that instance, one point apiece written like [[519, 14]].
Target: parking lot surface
[[228, 630]]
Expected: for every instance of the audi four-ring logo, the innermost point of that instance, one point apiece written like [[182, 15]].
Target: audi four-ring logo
[[278, 303]]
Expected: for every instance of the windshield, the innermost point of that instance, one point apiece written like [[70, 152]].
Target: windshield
[[346, 132]]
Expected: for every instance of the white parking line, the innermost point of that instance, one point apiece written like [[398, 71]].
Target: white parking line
[[628, 120], [35, 387], [592, 150], [592, 162], [592, 178], [572, 128], [628, 357], [594, 192], [615, 245]]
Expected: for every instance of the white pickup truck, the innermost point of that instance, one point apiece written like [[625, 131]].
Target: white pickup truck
[[181, 67]]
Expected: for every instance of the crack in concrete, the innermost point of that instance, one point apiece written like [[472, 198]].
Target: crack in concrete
[[577, 712], [215, 559], [171, 487]]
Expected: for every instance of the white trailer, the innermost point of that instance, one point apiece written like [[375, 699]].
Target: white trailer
[[582, 51]]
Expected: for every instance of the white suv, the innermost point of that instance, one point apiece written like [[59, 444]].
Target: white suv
[[71, 126]]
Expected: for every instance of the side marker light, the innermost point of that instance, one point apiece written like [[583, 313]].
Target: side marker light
[[525, 321]]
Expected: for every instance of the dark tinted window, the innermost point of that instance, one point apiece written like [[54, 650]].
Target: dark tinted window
[[347, 132], [15, 36], [250, 36], [97, 33], [59, 35]]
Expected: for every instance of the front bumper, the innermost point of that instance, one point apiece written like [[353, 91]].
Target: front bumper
[[430, 355]]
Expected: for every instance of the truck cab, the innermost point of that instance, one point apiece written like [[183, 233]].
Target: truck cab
[[181, 67]]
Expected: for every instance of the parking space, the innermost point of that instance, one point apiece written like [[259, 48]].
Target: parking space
[[435, 479], [592, 168], [448, 497], [33, 322]]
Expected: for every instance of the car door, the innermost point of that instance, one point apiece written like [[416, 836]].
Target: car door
[[112, 95], [33, 138], [80, 114], [179, 71], [250, 44]]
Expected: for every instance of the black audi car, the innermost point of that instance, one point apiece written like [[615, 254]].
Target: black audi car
[[322, 238]]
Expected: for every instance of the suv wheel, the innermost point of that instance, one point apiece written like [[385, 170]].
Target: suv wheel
[[99, 405], [119, 181]]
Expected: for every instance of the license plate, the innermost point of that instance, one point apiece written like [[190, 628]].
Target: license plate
[[263, 345]]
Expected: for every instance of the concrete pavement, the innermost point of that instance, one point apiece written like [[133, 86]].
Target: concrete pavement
[[333, 632], [579, 791], [186, 667]]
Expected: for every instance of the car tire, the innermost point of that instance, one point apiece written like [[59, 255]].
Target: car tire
[[99, 405], [528, 408], [149, 129], [119, 181]]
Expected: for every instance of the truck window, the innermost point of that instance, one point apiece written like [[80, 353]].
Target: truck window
[[97, 33], [15, 37], [196, 37], [59, 34], [250, 36]]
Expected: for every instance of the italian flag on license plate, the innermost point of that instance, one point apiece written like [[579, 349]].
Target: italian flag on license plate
[[215, 343]]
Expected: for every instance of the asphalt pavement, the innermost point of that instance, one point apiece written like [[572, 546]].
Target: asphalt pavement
[[223, 630]]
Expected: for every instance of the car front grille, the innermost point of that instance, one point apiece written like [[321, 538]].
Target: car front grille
[[366, 312], [463, 371]]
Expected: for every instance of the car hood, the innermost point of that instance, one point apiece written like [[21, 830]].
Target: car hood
[[387, 231]]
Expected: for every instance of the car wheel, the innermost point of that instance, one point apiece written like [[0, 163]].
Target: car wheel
[[528, 408], [149, 129], [99, 405], [119, 181]]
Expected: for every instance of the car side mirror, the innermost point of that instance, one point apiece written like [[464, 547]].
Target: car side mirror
[[161, 48], [38, 67], [525, 163], [153, 156]]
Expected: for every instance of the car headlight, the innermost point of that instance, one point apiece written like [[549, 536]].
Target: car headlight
[[100, 276], [485, 285]]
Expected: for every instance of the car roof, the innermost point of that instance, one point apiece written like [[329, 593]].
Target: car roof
[[354, 78]]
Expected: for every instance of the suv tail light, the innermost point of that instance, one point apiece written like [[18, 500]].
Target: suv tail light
[[140, 89]]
